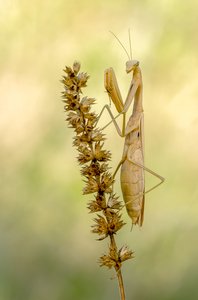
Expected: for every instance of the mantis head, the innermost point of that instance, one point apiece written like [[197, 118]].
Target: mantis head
[[131, 65]]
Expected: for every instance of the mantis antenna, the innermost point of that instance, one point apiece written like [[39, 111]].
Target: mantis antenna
[[130, 43], [122, 44]]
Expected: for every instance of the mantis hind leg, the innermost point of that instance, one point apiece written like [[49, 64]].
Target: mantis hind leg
[[162, 179]]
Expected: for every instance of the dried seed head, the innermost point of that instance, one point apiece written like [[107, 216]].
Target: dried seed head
[[99, 204], [101, 227], [115, 222], [85, 155], [68, 71], [108, 226], [107, 261], [74, 119], [114, 203], [82, 79], [125, 254], [94, 207], [91, 186], [89, 143], [106, 183], [85, 104], [98, 136], [94, 169], [110, 260], [76, 67], [101, 155], [71, 103]]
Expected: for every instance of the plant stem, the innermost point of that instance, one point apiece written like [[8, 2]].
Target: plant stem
[[94, 161], [118, 270], [121, 285]]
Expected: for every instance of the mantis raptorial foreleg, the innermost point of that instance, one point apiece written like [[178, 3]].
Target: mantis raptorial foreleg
[[112, 119], [122, 109]]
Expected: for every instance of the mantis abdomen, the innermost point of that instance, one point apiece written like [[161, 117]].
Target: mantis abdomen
[[132, 175]]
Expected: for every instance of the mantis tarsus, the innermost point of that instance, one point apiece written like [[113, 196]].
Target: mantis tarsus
[[132, 162]]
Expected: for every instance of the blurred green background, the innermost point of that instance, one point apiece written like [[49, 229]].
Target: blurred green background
[[46, 248]]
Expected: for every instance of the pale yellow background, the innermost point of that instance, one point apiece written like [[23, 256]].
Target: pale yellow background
[[46, 249]]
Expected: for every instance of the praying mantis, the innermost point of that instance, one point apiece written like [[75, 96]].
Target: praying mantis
[[132, 163]]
